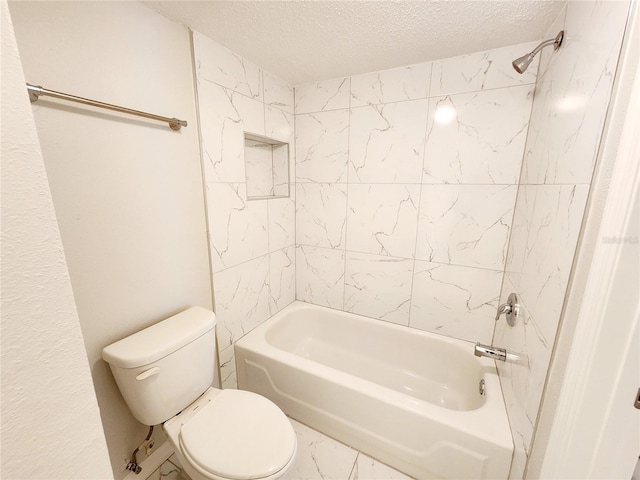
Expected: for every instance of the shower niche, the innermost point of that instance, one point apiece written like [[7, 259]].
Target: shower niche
[[266, 162]]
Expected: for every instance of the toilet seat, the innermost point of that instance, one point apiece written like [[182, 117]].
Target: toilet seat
[[238, 435]]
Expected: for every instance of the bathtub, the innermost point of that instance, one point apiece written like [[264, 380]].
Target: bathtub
[[408, 398]]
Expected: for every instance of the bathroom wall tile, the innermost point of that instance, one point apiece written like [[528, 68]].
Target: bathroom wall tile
[[282, 278], [465, 224], [548, 55], [366, 468], [477, 137], [320, 457], [259, 168], [544, 236], [383, 219], [279, 125], [523, 377], [518, 464], [224, 117], [572, 101], [455, 301], [242, 296], [328, 95], [220, 65], [322, 146], [482, 71], [321, 210], [277, 93], [386, 142], [237, 227], [378, 286], [228, 377], [320, 276], [282, 222], [395, 85]]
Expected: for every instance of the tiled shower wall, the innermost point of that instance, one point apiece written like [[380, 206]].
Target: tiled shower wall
[[406, 185], [569, 110], [251, 241]]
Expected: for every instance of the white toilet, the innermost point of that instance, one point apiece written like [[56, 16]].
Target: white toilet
[[165, 372]]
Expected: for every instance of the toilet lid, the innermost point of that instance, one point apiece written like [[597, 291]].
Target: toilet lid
[[239, 435]]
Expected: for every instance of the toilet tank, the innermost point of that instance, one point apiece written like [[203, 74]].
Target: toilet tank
[[162, 369]]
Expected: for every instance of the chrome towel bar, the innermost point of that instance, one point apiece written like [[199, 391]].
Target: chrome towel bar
[[35, 92]]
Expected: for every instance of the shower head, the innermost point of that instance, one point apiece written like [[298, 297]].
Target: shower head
[[522, 63]]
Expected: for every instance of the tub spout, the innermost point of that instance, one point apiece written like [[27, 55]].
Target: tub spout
[[491, 352]]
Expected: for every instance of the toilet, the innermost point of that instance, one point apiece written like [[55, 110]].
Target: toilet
[[165, 372]]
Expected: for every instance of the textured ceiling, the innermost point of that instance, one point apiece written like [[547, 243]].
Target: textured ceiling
[[309, 41]]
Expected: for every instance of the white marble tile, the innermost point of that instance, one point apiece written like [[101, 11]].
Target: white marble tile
[[320, 457], [282, 222], [322, 146], [366, 468], [455, 301], [228, 377], [282, 278], [220, 65], [242, 296], [328, 95], [378, 286], [518, 464], [320, 276], [279, 125], [238, 228], [571, 103], [224, 117], [465, 224], [321, 210], [544, 235], [477, 137], [383, 219], [548, 56], [386, 142], [259, 168], [395, 85], [277, 93], [481, 71], [523, 378]]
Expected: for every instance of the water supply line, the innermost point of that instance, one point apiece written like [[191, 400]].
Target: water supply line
[[147, 445]]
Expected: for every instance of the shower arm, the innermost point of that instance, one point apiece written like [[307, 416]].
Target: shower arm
[[556, 42]]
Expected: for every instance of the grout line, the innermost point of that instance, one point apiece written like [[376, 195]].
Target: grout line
[[346, 213]]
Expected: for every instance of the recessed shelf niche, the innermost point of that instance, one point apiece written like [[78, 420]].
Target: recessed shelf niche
[[266, 164]]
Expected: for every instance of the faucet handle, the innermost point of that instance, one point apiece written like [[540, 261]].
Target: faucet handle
[[510, 309]]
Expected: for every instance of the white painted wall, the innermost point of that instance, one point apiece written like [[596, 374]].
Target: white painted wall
[[50, 420], [128, 192]]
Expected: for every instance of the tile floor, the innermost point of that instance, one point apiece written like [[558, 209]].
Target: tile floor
[[319, 457]]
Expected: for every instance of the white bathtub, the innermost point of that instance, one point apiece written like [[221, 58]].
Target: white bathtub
[[407, 398]]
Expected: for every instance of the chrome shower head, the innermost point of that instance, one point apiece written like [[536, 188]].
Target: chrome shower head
[[522, 63]]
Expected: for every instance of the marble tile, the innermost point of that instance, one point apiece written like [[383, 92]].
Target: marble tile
[[224, 117], [383, 219], [481, 71], [238, 228], [395, 85], [259, 168], [320, 457], [321, 210], [322, 146], [378, 286], [523, 377], [328, 95], [282, 222], [366, 468], [228, 377], [455, 301], [169, 470], [465, 224], [571, 103], [279, 125], [548, 56], [518, 464], [220, 65], [242, 296], [544, 236], [386, 142], [320, 276], [277, 93], [477, 137], [282, 278]]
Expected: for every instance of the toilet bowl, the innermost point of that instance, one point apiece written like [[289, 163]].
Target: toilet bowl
[[232, 435], [165, 372]]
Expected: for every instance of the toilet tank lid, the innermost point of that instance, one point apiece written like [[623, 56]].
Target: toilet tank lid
[[160, 339]]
